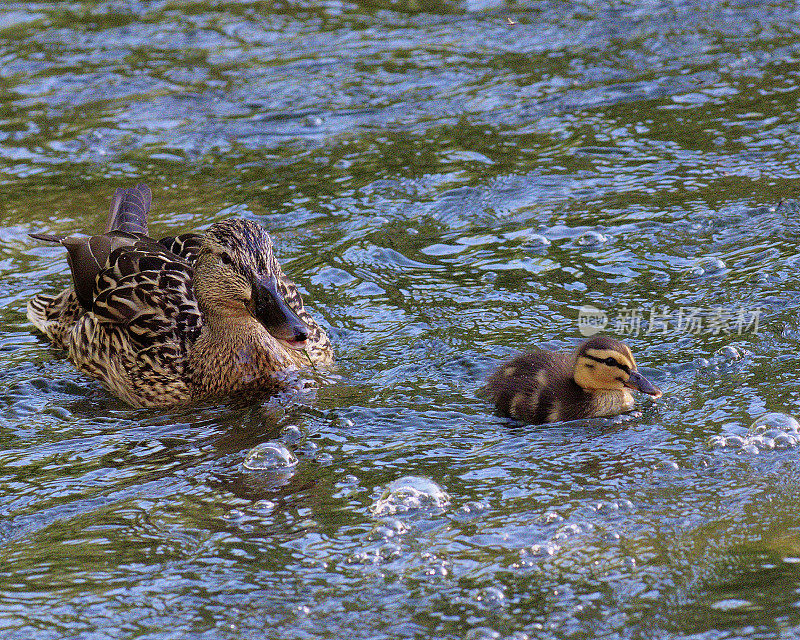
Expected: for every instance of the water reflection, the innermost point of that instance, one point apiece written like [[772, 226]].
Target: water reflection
[[449, 183]]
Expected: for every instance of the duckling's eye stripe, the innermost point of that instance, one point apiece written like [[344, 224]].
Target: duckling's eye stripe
[[610, 362]]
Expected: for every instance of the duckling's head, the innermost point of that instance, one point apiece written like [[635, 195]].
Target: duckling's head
[[602, 363], [236, 276]]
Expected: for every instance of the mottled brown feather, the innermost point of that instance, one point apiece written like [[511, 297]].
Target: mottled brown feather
[[521, 376], [540, 386], [133, 320]]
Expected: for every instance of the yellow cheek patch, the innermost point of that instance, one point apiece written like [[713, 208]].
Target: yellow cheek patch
[[629, 355]]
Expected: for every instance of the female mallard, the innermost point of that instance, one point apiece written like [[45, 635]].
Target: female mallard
[[171, 322], [547, 386]]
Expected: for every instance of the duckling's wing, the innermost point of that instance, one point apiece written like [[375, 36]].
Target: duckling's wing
[[534, 387], [129, 210]]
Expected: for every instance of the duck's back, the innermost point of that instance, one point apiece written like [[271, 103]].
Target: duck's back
[[538, 387], [143, 320], [131, 316]]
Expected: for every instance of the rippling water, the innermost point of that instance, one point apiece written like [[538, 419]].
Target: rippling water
[[449, 183]]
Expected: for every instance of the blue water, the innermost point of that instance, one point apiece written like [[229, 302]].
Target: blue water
[[448, 183]]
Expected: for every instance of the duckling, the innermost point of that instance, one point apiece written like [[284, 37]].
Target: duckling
[[546, 386], [180, 320]]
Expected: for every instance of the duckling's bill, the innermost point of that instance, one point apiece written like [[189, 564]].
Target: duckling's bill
[[638, 382]]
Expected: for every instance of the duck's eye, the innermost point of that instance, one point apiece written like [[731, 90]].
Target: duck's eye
[[611, 362], [225, 259]]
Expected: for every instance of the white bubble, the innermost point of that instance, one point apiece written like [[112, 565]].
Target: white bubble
[[707, 266], [717, 441], [536, 242], [729, 352], [292, 434], [668, 465], [411, 493], [762, 442], [775, 420], [772, 430], [492, 594], [470, 511], [269, 456], [591, 238]]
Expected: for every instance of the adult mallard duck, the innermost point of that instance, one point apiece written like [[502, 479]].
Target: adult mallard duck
[[547, 386], [171, 322]]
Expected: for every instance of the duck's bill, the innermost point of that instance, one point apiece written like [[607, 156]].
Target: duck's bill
[[299, 345], [640, 383], [271, 310]]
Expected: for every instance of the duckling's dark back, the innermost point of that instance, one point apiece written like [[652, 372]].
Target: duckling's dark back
[[537, 387]]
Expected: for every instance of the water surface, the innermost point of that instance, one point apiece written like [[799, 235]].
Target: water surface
[[449, 183]]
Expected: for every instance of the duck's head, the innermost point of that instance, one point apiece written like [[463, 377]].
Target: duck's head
[[603, 363], [236, 275]]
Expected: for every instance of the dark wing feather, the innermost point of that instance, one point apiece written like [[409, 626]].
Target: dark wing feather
[[89, 256], [186, 245], [47, 237], [129, 210], [149, 290]]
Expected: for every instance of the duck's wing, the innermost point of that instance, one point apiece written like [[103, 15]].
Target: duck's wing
[[186, 245], [148, 289], [88, 255], [129, 210]]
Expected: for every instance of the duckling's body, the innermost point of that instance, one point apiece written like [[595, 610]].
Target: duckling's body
[[172, 322], [547, 386]]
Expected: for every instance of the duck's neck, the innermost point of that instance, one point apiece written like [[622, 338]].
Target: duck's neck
[[235, 355]]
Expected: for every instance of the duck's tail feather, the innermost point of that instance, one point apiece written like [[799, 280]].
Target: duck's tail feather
[[47, 237], [55, 315], [129, 209]]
